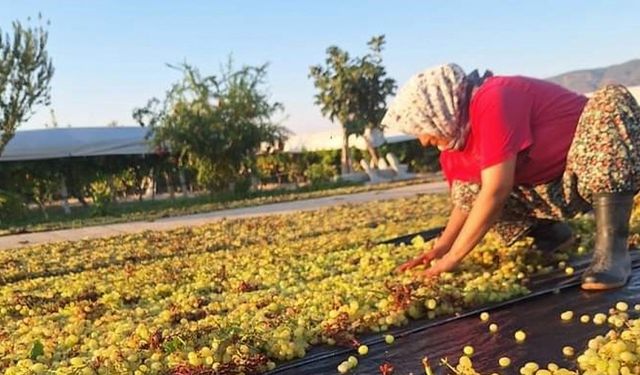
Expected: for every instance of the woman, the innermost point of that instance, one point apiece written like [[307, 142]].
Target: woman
[[521, 155]]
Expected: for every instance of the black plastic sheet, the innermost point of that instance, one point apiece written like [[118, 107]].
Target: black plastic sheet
[[538, 314], [406, 239]]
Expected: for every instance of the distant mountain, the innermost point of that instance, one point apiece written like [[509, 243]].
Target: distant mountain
[[589, 80]]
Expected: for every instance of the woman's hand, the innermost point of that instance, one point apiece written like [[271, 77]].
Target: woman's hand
[[424, 258], [446, 264], [442, 244], [497, 184]]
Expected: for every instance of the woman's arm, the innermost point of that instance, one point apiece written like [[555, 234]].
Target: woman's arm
[[456, 221], [444, 242], [497, 184]]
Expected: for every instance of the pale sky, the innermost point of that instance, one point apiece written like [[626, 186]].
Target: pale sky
[[110, 55]]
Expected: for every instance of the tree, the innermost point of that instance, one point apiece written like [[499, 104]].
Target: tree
[[353, 91], [215, 124], [25, 75]]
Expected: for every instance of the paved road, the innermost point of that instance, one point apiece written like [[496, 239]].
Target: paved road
[[18, 240]]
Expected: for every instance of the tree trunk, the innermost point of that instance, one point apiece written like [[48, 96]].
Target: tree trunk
[[112, 187], [151, 185], [64, 193], [373, 153], [345, 163], [172, 193], [369, 138], [43, 208], [183, 183]]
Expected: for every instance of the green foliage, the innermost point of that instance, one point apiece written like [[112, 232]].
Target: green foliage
[[11, 206], [353, 91], [149, 210], [215, 124], [39, 182], [419, 158], [101, 196], [25, 74], [279, 168], [37, 349], [320, 173], [34, 182]]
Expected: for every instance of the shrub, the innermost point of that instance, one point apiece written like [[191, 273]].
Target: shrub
[[320, 173], [12, 207]]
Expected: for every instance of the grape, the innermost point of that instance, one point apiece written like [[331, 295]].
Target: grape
[[622, 306], [568, 351], [353, 361], [599, 319], [532, 366], [343, 367], [431, 304], [363, 350], [264, 290], [389, 339], [484, 316], [504, 362], [468, 350], [584, 318], [465, 361], [566, 316], [520, 336]]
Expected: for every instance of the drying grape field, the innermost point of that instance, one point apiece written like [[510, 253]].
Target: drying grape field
[[246, 296]]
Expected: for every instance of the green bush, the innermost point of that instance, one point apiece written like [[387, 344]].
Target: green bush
[[242, 185], [101, 194], [320, 173], [419, 158], [11, 206]]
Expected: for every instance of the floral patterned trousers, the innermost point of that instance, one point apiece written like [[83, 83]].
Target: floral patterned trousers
[[603, 158]]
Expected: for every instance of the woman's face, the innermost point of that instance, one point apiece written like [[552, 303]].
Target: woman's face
[[430, 140]]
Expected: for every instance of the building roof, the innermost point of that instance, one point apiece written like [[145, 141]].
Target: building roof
[[54, 143]]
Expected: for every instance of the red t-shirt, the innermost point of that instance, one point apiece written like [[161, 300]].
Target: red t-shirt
[[527, 117]]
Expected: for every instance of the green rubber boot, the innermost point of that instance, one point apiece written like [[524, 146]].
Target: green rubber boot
[[611, 265]]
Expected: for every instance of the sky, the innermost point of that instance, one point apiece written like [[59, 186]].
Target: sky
[[111, 56]]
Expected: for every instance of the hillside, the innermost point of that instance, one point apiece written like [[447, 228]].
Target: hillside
[[588, 80]]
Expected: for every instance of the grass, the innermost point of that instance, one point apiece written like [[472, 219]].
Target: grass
[[150, 210]]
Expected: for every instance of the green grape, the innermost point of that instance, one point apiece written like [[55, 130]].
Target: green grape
[[568, 351], [566, 316], [520, 336], [504, 362], [343, 368], [622, 306], [225, 293]]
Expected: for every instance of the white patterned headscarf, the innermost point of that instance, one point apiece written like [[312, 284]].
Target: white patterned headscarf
[[435, 102]]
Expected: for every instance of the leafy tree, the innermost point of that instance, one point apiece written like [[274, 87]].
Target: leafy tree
[[353, 91], [215, 124], [25, 74]]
